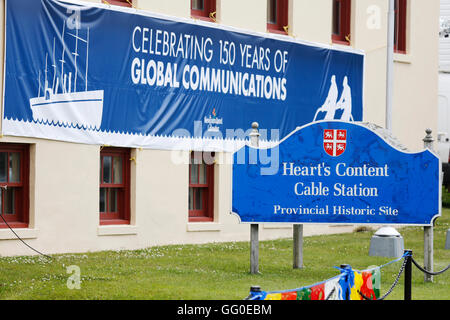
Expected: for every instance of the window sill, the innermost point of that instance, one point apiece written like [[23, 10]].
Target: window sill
[[402, 58], [117, 230], [204, 227], [6, 234], [14, 225], [340, 40], [203, 18], [118, 3], [277, 31], [114, 222], [339, 43]]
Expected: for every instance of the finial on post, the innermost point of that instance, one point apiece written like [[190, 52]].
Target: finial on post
[[428, 140], [429, 137], [254, 135], [255, 289]]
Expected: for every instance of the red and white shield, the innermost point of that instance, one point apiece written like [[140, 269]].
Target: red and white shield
[[334, 142]]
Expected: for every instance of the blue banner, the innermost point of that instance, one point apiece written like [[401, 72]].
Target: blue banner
[[336, 173], [92, 73]]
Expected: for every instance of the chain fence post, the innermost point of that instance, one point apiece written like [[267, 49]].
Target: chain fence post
[[254, 291], [428, 230], [408, 276], [254, 228]]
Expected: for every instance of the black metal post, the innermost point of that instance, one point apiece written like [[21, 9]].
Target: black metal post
[[347, 293], [408, 275], [254, 290]]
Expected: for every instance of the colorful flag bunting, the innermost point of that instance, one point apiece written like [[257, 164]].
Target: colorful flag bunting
[[304, 294], [318, 292], [289, 296], [333, 290], [356, 286], [349, 285], [273, 296], [376, 281], [371, 283]]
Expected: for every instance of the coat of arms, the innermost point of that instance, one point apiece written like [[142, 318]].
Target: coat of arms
[[334, 142]]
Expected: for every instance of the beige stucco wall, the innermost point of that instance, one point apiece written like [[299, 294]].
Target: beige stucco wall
[[64, 177], [311, 21], [178, 8], [251, 14], [370, 35], [415, 78]]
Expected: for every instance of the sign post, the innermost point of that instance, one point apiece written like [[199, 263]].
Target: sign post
[[298, 246], [254, 228], [428, 234]]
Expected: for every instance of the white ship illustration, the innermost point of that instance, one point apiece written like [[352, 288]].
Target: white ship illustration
[[60, 102]]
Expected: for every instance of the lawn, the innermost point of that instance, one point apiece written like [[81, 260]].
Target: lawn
[[217, 271]]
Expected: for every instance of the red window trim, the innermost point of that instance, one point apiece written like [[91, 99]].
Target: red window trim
[[209, 7], [207, 214], [400, 26], [282, 7], [123, 215], [21, 218], [121, 3], [344, 22]]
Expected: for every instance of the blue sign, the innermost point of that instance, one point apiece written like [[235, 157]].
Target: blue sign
[[336, 173], [102, 74]]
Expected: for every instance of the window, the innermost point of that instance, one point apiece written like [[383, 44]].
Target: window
[[277, 16], [122, 3], [203, 9], [14, 186], [201, 187], [341, 21], [400, 26], [114, 186]]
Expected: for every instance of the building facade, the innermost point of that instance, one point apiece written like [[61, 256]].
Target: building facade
[[67, 197]]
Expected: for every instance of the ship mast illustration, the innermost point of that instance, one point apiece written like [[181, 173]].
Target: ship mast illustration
[[69, 107]]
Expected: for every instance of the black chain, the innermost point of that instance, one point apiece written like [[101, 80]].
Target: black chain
[[17, 236], [428, 272]]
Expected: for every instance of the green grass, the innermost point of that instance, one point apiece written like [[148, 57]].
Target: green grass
[[217, 271]]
